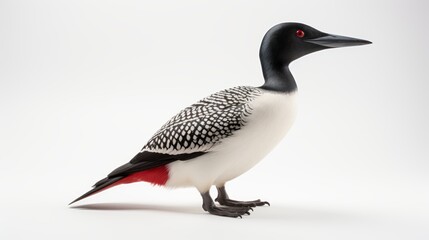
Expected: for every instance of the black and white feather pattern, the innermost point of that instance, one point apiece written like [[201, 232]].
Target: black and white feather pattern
[[204, 124]]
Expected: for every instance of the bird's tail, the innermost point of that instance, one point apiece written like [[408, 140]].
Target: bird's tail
[[101, 185], [157, 175]]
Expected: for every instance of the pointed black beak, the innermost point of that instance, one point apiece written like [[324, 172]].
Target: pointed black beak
[[334, 41]]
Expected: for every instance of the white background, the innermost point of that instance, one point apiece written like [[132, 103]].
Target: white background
[[84, 84]]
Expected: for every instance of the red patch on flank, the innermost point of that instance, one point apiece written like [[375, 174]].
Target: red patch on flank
[[156, 176]]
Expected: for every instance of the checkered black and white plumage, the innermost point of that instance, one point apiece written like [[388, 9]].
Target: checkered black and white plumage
[[204, 124]]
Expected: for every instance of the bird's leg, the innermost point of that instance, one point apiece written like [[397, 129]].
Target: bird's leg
[[226, 211], [223, 199]]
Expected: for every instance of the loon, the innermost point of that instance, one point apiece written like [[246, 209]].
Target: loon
[[227, 133]]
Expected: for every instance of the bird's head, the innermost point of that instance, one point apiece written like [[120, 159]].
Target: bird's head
[[286, 42]]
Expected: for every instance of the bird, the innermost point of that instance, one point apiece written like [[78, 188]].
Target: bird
[[227, 133]]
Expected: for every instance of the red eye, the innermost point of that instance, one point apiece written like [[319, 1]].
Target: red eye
[[299, 33]]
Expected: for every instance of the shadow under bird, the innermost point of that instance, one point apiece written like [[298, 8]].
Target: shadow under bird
[[225, 134]]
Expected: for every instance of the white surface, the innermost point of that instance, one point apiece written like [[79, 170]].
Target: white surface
[[84, 84]]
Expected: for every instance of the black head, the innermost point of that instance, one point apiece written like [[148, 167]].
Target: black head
[[286, 42]]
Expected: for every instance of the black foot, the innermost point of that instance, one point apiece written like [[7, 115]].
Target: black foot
[[224, 200], [235, 203], [228, 211]]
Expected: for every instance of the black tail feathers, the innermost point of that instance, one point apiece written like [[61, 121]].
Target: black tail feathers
[[99, 186]]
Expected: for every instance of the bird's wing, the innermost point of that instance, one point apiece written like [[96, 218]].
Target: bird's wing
[[204, 124], [194, 130]]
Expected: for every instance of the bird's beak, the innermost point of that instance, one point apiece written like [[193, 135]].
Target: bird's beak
[[334, 41]]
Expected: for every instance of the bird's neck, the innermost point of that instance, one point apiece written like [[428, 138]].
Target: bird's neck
[[278, 79]]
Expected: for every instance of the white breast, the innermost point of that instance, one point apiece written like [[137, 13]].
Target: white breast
[[272, 116]]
